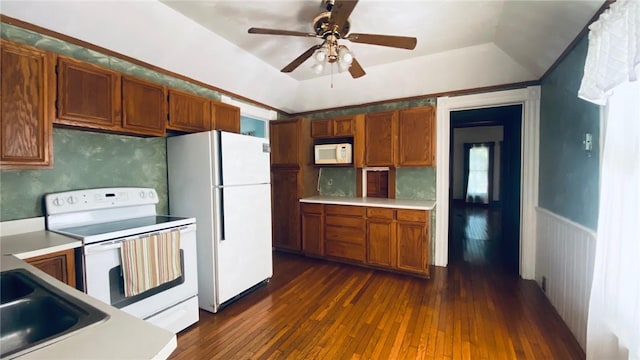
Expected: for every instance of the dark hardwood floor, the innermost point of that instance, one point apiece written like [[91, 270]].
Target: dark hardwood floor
[[314, 309]]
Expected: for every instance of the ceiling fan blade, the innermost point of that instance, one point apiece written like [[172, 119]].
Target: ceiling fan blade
[[403, 42], [356, 70], [300, 59], [279, 32], [341, 11]]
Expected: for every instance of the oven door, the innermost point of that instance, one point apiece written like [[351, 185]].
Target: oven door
[[104, 281]]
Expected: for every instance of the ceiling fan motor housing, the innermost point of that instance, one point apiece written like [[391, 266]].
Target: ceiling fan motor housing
[[322, 26], [328, 4]]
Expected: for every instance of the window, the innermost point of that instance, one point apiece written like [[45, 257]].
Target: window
[[254, 120], [478, 172]]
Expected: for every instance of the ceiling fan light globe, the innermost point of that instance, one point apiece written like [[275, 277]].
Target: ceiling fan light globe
[[342, 66], [347, 58], [317, 68], [345, 55], [320, 55]]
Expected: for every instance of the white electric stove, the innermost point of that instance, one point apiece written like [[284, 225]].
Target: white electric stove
[[105, 217]]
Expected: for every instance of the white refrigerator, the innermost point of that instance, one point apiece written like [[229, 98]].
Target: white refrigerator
[[223, 179]]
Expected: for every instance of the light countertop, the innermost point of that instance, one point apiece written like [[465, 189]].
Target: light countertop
[[121, 336], [372, 202], [36, 243]]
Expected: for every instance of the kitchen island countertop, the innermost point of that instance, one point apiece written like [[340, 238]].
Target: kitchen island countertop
[[372, 202], [121, 336]]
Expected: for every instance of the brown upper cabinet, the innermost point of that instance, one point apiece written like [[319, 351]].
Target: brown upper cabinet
[[380, 138], [95, 97], [339, 127], [416, 137], [193, 113], [226, 117], [285, 142], [88, 95], [27, 106], [144, 106], [188, 112], [396, 138]]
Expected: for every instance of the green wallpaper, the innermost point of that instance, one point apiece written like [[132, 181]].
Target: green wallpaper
[[416, 183], [337, 181], [390, 106], [569, 177], [86, 160]]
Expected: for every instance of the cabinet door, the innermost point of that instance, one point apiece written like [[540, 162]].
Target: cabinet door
[[27, 108], [284, 142], [312, 229], [226, 117], [379, 138], [343, 126], [144, 107], [88, 95], [381, 241], [321, 128], [285, 209], [188, 112], [416, 137], [60, 265], [412, 247]]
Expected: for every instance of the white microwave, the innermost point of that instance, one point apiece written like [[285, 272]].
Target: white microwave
[[332, 153]]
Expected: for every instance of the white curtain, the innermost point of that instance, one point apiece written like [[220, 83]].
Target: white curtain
[[478, 177], [611, 71]]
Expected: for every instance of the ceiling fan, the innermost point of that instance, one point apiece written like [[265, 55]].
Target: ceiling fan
[[331, 26]]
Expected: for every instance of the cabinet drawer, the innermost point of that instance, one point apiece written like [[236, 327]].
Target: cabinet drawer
[[345, 221], [311, 208], [412, 215], [380, 213], [345, 250], [344, 210], [350, 235]]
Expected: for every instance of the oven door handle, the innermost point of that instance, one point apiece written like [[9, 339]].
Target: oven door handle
[[102, 247]]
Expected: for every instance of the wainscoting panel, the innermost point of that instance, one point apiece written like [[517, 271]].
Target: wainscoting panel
[[564, 257]]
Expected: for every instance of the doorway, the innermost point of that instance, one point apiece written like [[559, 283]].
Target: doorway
[[484, 195]]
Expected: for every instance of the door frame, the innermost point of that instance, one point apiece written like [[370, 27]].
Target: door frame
[[529, 97]]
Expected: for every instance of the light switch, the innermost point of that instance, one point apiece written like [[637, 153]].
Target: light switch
[[588, 143]]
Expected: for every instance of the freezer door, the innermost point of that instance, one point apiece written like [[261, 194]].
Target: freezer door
[[245, 159], [244, 257]]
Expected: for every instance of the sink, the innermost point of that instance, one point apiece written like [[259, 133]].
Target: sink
[[34, 314], [13, 287]]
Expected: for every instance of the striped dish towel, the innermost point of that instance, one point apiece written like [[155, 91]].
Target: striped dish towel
[[150, 261]]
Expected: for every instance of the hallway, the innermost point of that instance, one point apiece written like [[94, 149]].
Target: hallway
[[476, 239]]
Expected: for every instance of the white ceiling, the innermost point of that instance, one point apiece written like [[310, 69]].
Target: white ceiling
[[533, 33], [461, 44]]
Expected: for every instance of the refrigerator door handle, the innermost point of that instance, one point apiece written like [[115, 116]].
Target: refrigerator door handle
[[218, 210]]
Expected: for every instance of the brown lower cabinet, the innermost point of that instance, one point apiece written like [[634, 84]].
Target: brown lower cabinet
[[285, 209], [59, 264], [385, 238], [312, 227], [345, 232]]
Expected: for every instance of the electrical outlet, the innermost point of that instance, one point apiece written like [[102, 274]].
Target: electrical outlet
[[543, 284]]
